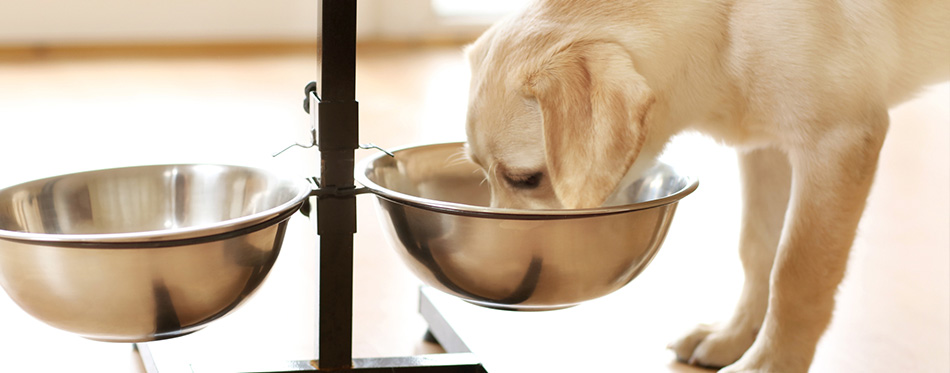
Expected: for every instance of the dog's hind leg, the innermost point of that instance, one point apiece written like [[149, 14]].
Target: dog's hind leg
[[766, 180], [832, 171]]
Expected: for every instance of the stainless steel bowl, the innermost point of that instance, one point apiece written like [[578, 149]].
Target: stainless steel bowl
[[434, 207], [142, 253]]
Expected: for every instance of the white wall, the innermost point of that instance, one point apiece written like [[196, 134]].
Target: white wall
[[58, 22], [128, 21]]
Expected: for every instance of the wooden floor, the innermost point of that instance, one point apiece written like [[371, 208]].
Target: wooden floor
[[65, 111]]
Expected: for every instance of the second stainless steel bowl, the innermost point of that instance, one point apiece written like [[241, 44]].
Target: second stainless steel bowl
[[142, 253], [434, 209]]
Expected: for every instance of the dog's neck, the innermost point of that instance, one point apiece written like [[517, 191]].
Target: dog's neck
[[683, 62]]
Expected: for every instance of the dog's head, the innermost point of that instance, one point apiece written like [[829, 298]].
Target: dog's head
[[555, 122]]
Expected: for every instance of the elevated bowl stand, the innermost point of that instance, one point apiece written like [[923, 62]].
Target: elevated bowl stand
[[335, 217]]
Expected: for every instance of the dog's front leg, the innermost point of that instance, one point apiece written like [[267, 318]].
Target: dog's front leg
[[832, 175], [766, 179]]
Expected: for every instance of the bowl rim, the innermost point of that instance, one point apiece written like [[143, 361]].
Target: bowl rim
[[272, 215], [364, 166]]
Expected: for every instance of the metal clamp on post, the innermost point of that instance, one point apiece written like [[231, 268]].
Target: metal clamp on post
[[317, 191], [335, 191]]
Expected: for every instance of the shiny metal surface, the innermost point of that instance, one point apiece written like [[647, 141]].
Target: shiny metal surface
[[142, 253], [434, 208]]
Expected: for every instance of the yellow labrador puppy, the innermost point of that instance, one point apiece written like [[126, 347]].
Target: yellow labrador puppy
[[569, 98]]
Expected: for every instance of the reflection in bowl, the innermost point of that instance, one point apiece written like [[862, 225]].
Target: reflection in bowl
[[142, 253], [434, 208]]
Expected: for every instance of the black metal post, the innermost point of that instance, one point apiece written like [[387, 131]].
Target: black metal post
[[338, 118], [338, 138]]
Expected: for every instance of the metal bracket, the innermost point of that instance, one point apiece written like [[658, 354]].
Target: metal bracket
[[311, 101], [339, 192], [328, 192], [370, 145], [333, 191], [311, 88]]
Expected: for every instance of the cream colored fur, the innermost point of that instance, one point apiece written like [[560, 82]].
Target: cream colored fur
[[583, 94]]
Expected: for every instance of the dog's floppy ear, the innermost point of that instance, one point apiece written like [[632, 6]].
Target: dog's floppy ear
[[593, 104]]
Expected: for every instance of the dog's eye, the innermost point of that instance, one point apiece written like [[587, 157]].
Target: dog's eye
[[529, 181]]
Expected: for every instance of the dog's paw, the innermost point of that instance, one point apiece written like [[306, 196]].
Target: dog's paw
[[685, 345], [712, 346]]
